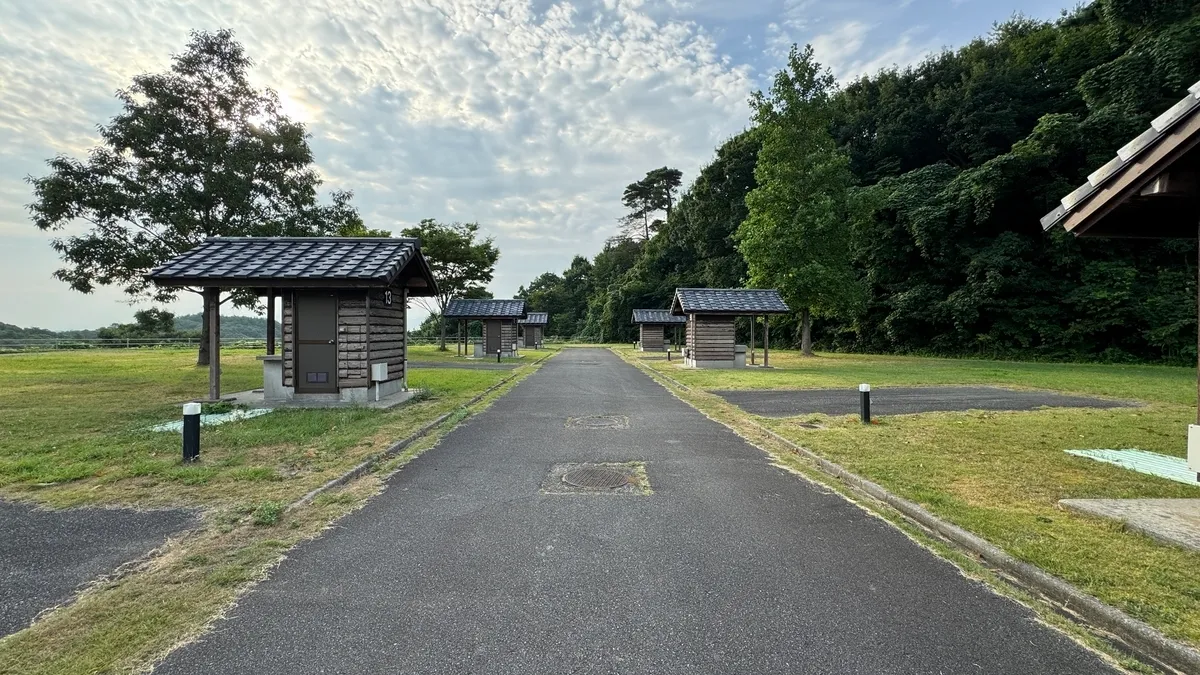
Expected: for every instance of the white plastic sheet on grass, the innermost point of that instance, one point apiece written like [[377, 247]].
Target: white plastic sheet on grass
[[213, 419], [1163, 466]]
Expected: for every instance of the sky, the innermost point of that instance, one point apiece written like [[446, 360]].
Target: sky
[[526, 116]]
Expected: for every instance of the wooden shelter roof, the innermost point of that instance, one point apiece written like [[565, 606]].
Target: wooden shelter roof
[[663, 316], [300, 262], [731, 301], [461, 308], [535, 319], [1149, 189]]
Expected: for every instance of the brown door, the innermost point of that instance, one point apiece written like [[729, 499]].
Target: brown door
[[530, 336], [316, 343], [492, 345]]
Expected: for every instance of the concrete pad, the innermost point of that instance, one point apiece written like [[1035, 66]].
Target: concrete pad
[[45, 555], [1174, 521], [254, 399], [905, 400]]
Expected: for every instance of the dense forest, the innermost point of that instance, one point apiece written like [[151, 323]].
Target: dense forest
[[915, 194], [152, 323]]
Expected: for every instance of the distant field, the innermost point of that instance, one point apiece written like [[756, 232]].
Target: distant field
[[1001, 474]]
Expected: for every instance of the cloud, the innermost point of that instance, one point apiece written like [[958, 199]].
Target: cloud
[[843, 50], [529, 118]]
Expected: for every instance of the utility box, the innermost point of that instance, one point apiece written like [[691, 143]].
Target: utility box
[[379, 372]]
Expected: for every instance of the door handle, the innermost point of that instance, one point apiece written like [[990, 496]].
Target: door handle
[[331, 341]]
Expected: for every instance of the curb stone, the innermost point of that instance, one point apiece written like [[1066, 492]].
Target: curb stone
[[369, 464], [1131, 635]]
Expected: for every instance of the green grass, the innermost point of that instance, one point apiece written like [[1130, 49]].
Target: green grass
[[75, 430], [1001, 474]]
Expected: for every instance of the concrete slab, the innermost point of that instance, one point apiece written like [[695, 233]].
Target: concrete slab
[[45, 555], [905, 400], [1174, 521], [254, 399]]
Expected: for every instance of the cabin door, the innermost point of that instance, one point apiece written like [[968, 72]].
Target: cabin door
[[316, 343], [492, 344]]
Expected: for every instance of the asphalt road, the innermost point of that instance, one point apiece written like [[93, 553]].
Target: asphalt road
[[904, 400], [46, 554], [731, 566]]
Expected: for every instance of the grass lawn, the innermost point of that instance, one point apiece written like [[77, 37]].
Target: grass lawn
[[73, 432], [1001, 474]]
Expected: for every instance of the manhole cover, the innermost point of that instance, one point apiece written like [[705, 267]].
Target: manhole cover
[[809, 425], [596, 477], [598, 422]]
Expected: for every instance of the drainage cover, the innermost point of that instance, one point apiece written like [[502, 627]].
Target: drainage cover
[[596, 477], [598, 422]]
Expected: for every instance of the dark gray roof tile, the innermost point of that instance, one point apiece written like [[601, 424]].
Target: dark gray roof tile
[[536, 319], [656, 316], [739, 301], [460, 308]]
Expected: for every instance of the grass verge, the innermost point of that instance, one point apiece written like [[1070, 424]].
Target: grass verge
[[127, 623], [999, 475]]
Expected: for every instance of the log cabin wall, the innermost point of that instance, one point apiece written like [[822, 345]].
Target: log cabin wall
[[508, 335], [388, 327], [651, 336], [287, 301], [353, 370], [710, 338]]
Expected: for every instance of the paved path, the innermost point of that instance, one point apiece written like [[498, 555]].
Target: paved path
[[46, 554], [905, 400], [730, 566]]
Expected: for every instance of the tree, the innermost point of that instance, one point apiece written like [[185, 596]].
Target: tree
[[796, 237], [664, 183], [460, 264], [653, 193], [196, 152]]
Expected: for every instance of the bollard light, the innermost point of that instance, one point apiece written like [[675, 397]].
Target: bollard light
[[668, 353], [864, 395], [497, 356], [191, 432]]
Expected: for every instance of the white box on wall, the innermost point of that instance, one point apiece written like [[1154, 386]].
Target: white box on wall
[[1194, 447], [379, 372]]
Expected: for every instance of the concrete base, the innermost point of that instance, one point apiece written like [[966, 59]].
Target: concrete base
[[1193, 456], [478, 353], [692, 363], [359, 397], [1174, 521]]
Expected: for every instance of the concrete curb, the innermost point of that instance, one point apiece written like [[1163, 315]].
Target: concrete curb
[[1137, 637], [369, 464]]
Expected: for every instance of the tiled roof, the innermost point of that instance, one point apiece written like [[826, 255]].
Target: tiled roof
[[325, 261], [536, 319], [460, 308], [739, 301], [656, 316], [1149, 138]]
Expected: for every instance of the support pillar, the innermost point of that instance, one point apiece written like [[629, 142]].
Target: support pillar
[[270, 322], [766, 342], [753, 320], [212, 302]]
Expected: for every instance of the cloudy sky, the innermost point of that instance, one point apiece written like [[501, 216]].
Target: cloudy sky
[[528, 116]]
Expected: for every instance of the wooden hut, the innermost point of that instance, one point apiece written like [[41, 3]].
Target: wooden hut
[[499, 319], [652, 328], [532, 328], [344, 303], [711, 339], [1150, 190]]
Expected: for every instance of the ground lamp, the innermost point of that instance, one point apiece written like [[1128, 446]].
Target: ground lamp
[[1150, 190]]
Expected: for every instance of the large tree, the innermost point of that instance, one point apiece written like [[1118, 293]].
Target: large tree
[[797, 237], [461, 262], [196, 152]]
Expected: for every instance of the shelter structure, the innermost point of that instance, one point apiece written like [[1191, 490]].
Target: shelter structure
[[499, 319], [344, 309], [533, 327], [711, 339], [652, 328], [1150, 190]]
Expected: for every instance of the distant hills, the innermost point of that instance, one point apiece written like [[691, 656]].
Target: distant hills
[[231, 327]]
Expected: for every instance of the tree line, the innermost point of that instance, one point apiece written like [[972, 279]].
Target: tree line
[[899, 212]]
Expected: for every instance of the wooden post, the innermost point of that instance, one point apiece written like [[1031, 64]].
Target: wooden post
[[753, 320], [212, 298], [1198, 328], [270, 321], [766, 341]]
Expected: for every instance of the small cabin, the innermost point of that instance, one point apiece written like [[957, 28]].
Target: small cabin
[[652, 328], [532, 328], [499, 319], [344, 309], [711, 337]]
